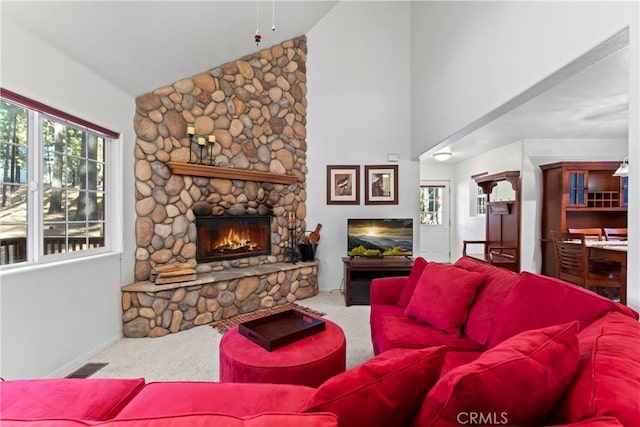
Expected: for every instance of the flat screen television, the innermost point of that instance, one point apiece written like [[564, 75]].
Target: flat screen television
[[380, 237]]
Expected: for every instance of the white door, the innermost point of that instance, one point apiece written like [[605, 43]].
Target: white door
[[434, 221]]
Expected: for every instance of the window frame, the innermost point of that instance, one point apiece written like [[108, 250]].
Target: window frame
[[37, 113]]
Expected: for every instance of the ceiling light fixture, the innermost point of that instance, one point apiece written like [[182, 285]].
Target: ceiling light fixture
[[623, 169], [442, 156]]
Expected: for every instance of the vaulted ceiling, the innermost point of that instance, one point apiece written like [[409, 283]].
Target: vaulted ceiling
[[142, 45], [593, 103]]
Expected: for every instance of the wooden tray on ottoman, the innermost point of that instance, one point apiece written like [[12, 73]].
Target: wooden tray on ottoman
[[280, 329]]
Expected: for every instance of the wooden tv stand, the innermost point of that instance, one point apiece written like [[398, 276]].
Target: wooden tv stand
[[360, 271]]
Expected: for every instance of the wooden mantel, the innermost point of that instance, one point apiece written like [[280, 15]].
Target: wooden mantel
[[192, 169]]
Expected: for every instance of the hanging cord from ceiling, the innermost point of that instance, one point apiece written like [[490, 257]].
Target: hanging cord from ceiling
[[273, 15], [257, 36]]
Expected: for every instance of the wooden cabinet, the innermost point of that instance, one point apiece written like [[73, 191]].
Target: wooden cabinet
[[580, 195], [501, 246], [359, 272]]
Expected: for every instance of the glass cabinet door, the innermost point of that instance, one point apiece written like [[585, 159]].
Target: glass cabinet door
[[578, 188]]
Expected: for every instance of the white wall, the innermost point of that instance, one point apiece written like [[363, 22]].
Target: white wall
[[55, 315], [358, 111], [633, 215], [437, 171]]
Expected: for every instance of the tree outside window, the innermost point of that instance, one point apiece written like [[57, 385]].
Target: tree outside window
[[431, 205], [481, 201], [71, 200]]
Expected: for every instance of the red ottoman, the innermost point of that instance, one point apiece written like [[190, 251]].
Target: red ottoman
[[309, 361]]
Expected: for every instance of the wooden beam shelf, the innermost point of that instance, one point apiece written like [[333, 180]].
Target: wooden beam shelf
[[192, 169]]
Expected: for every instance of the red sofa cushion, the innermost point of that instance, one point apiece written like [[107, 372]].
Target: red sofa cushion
[[240, 399], [409, 286], [390, 328], [86, 398], [517, 382], [497, 284], [386, 290], [538, 301], [595, 422], [383, 391], [442, 297], [196, 420], [608, 379]]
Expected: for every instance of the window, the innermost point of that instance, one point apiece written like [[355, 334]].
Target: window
[[53, 169], [481, 201], [13, 172], [431, 204], [477, 197]]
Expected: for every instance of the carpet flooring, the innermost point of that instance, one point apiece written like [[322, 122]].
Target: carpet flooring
[[192, 355]]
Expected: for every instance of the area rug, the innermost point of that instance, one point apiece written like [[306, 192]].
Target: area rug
[[224, 325]]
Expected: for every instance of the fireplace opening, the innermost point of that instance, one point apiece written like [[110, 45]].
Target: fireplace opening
[[232, 237]]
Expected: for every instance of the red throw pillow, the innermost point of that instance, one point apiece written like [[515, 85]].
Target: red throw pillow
[[409, 286], [383, 391], [498, 282], [442, 297], [518, 382]]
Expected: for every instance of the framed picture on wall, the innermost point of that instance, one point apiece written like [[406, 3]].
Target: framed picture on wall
[[343, 185], [381, 184]]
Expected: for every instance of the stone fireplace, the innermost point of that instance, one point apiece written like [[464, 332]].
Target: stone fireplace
[[255, 108]]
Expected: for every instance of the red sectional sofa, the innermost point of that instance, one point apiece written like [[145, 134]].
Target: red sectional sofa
[[455, 345], [522, 349]]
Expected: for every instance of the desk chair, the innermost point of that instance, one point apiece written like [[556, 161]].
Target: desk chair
[[589, 233], [574, 265], [615, 233]]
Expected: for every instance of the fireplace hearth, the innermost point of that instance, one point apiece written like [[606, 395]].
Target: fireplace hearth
[[221, 238]]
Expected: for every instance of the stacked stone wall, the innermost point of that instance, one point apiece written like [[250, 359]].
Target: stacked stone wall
[[151, 313], [256, 109]]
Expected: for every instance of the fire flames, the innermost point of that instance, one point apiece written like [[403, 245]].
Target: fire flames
[[234, 241]]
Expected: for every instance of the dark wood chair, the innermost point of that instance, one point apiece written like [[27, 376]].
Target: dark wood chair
[[615, 233], [589, 233], [574, 265]]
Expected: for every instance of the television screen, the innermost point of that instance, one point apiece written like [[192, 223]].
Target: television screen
[[380, 237]]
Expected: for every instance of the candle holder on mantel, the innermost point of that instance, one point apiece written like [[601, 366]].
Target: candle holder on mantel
[[200, 140]]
